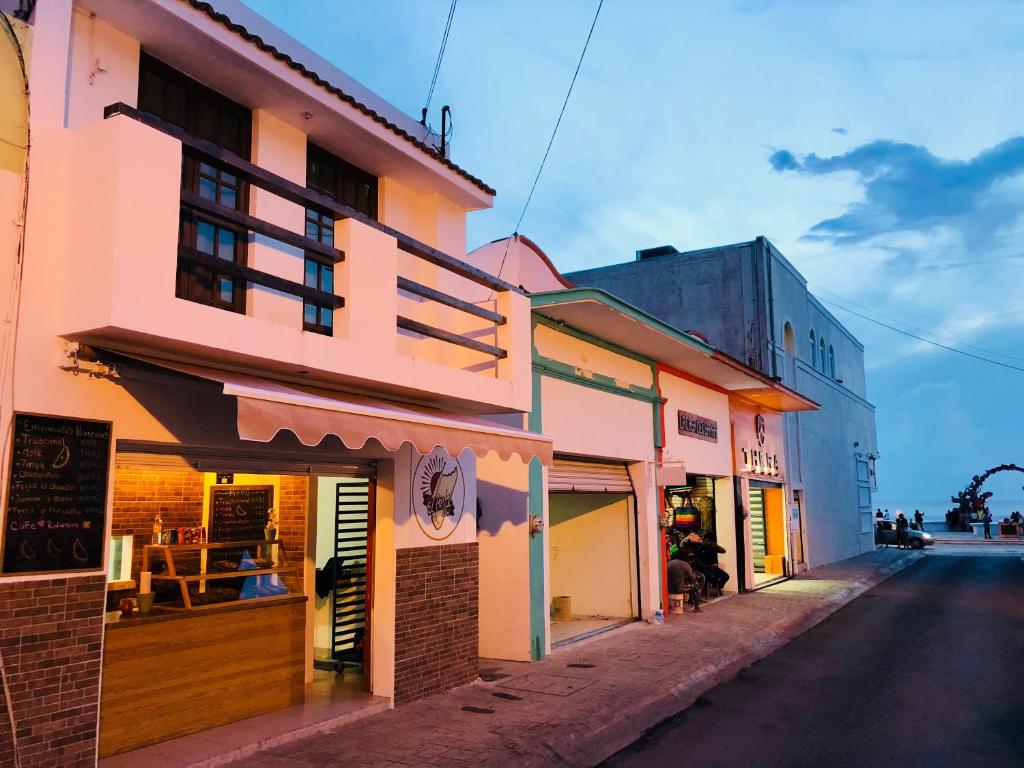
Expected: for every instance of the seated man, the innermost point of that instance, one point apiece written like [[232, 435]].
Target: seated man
[[682, 579], [702, 554]]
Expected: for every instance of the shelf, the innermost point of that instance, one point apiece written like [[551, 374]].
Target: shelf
[[214, 545], [223, 574], [236, 604]]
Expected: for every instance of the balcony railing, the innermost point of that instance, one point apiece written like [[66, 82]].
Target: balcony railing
[[198, 205]]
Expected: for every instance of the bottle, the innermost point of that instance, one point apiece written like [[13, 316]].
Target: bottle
[[158, 529]]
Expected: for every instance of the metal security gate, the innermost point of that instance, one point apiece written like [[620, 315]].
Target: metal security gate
[[757, 528], [574, 476], [353, 548]]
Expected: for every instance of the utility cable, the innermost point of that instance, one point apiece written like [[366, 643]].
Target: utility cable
[[551, 141], [926, 341], [440, 54], [819, 289]]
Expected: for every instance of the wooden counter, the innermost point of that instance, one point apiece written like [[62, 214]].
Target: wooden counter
[[177, 673]]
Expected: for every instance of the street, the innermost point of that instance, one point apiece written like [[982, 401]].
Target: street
[[925, 669]]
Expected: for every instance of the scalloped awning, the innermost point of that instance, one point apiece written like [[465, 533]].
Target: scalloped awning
[[266, 407]]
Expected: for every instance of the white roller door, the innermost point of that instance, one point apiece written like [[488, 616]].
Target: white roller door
[[575, 476]]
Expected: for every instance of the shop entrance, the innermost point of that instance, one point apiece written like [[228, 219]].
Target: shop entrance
[[767, 533], [344, 567], [592, 558]]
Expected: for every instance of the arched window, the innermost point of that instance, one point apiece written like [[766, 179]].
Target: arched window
[[831, 361], [789, 339], [814, 350], [821, 348]]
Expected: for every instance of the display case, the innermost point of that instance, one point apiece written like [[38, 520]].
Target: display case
[[188, 577]]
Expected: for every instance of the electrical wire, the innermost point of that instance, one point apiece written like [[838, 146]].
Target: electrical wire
[[818, 289], [440, 53], [551, 141], [926, 341]]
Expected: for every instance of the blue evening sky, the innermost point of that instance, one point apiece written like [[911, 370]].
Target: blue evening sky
[[879, 145]]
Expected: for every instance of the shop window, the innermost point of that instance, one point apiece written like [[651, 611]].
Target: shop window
[[831, 361], [814, 350]]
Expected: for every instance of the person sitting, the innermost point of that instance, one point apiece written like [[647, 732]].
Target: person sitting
[[682, 579], [702, 554]]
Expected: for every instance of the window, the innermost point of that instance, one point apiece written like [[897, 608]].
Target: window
[[203, 239], [789, 339], [343, 182], [821, 347], [831, 361], [319, 274], [814, 350]]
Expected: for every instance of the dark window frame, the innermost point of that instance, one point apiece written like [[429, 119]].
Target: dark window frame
[[197, 106]]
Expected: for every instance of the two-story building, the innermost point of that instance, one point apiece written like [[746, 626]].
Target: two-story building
[[749, 301], [244, 369], [654, 439]]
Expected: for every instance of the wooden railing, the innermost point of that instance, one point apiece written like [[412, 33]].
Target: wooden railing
[[209, 152]]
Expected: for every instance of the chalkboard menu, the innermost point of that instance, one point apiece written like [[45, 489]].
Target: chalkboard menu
[[56, 495], [239, 512]]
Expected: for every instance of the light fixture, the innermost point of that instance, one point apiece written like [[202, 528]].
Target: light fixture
[[307, 115]]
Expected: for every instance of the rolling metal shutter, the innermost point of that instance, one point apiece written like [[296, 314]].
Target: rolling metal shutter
[[574, 476]]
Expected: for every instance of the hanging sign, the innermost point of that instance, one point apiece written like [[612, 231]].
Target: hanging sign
[[56, 495], [438, 494]]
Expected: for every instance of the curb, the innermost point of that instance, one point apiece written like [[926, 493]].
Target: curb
[[634, 722]]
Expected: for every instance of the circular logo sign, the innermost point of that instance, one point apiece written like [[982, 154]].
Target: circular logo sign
[[438, 494], [761, 429]]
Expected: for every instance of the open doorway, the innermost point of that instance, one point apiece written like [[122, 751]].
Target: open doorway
[[344, 568], [767, 534]]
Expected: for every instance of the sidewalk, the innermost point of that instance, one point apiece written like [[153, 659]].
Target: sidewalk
[[584, 703]]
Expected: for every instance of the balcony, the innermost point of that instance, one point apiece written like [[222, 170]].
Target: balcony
[[405, 319]]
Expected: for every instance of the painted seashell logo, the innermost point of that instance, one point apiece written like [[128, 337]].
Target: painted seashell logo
[[438, 494]]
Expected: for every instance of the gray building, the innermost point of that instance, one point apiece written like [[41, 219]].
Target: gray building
[[751, 303]]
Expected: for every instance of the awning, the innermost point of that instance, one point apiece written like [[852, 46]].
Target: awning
[[266, 407]]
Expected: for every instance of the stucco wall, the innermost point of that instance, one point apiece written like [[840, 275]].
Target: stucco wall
[[590, 553], [700, 456]]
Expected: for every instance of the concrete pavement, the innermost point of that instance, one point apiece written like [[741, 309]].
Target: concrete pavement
[[589, 700]]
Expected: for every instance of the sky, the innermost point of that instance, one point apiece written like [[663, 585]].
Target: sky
[[878, 145]]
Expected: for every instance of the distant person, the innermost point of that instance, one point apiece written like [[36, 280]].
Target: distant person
[[986, 520], [702, 555], [919, 519], [887, 514], [878, 514], [1015, 517], [902, 525]]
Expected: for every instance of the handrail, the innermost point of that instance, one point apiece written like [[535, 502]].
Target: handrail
[[304, 196], [452, 338], [258, 277], [253, 224], [426, 292]]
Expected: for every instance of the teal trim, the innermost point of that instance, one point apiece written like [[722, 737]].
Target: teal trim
[[559, 370], [538, 565], [555, 298], [576, 333]]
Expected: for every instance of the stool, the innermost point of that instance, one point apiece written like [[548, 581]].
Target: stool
[[676, 603]]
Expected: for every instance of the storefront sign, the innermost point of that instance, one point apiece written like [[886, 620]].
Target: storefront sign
[[239, 512], [438, 494], [692, 425], [56, 495], [757, 442]]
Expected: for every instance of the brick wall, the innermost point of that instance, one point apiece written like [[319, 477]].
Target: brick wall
[[139, 494], [51, 636], [291, 511], [436, 622]]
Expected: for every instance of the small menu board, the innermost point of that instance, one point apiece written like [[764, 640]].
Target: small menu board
[[239, 512], [56, 495]]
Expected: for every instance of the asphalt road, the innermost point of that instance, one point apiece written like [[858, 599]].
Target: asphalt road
[[926, 669]]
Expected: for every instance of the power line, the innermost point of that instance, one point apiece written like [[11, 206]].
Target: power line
[[554, 133], [926, 341], [440, 54], [819, 289]]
